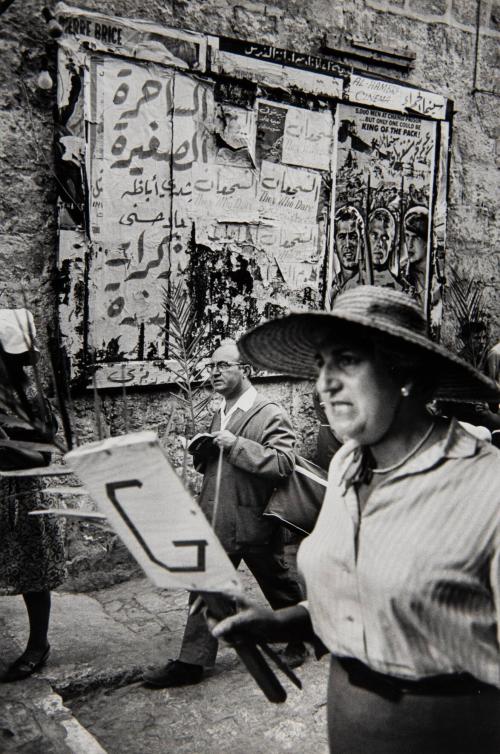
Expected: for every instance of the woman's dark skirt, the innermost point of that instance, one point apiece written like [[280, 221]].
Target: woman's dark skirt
[[375, 720]]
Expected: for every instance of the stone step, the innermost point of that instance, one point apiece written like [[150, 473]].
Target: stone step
[[33, 718]]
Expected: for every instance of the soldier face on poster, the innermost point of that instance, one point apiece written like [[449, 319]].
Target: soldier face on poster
[[381, 236], [349, 250], [384, 177], [416, 233]]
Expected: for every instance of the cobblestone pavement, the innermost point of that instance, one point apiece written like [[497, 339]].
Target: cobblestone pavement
[[226, 713], [103, 641]]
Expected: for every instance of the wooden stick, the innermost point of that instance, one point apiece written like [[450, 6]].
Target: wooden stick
[[220, 606], [36, 471], [68, 513], [41, 447], [97, 409], [125, 404], [217, 487]]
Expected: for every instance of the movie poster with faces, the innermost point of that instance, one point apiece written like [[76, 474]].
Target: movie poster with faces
[[381, 229]]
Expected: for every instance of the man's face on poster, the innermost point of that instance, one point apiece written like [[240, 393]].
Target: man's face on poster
[[416, 248], [380, 239], [347, 243]]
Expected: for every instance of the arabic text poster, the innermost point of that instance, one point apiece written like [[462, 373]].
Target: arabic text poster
[[287, 192], [307, 139], [142, 150], [225, 192], [130, 173]]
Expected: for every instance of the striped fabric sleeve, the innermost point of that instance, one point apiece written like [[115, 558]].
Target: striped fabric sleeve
[[495, 582]]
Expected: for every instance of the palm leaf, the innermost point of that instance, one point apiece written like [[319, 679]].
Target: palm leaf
[[471, 320], [184, 347]]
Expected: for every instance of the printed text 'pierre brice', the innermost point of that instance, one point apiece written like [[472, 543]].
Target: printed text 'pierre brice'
[[86, 27]]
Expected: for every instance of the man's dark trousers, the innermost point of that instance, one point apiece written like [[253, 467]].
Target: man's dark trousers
[[280, 589]]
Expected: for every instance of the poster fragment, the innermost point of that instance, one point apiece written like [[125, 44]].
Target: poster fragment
[[387, 94], [383, 197], [308, 138], [131, 38], [288, 193]]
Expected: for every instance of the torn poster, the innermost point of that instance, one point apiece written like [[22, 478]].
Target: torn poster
[[253, 183], [225, 192], [294, 135], [307, 138], [271, 118], [383, 197], [392, 96], [277, 67], [143, 141], [129, 166], [288, 193], [132, 38], [235, 136]]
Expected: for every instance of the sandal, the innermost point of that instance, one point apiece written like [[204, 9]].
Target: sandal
[[23, 667]]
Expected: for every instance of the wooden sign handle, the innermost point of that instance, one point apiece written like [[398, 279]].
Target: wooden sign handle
[[220, 606]]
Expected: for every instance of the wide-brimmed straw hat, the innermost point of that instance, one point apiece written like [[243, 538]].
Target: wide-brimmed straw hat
[[17, 332], [289, 345]]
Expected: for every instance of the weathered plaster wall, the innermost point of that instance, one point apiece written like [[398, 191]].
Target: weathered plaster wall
[[452, 58]]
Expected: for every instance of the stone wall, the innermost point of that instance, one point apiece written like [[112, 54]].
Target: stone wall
[[454, 56]]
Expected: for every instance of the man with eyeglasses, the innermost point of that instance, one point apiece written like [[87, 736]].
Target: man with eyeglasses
[[257, 443]]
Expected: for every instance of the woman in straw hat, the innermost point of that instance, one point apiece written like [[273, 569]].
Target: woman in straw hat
[[403, 566], [32, 558]]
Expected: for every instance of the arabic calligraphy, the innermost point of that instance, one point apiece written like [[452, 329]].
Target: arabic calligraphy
[[279, 55], [141, 181], [396, 97], [307, 138], [220, 190], [288, 192], [270, 129], [168, 187], [259, 235]]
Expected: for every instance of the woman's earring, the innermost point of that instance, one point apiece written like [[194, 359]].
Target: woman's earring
[[405, 391]]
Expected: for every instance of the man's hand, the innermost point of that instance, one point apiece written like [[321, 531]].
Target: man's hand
[[224, 439]]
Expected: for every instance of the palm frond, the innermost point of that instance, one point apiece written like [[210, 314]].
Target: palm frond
[[471, 319], [184, 346]]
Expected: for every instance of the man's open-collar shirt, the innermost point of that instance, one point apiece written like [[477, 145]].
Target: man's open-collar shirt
[[244, 403], [411, 586]]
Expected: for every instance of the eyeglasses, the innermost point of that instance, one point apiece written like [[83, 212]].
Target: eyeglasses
[[221, 366]]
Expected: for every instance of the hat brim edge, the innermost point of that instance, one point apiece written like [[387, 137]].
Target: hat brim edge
[[288, 345]]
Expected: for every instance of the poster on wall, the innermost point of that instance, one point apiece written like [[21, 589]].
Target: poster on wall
[[132, 38], [258, 198], [382, 208], [146, 133]]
